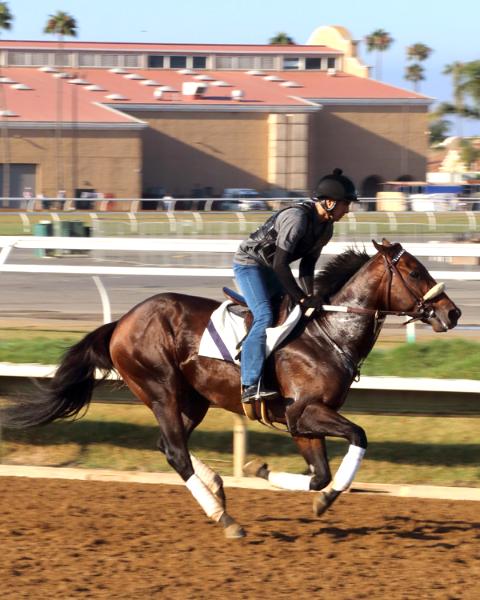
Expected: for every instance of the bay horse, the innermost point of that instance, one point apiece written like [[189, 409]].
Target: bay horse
[[154, 348]]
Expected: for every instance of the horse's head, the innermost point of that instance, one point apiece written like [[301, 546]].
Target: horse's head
[[410, 287]]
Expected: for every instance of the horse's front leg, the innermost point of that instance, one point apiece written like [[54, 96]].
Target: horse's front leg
[[318, 420], [314, 452]]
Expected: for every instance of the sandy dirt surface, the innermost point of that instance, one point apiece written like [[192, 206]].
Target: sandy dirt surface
[[73, 539]]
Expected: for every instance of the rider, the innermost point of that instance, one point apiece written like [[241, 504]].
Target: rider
[[261, 266]]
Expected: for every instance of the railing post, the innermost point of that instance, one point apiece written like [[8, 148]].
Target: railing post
[[239, 444]]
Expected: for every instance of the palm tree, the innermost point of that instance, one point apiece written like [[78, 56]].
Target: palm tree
[[415, 73], [281, 39], [60, 24], [378, 41], [438, 130], [6, 19], [418, 52], [455, 70]]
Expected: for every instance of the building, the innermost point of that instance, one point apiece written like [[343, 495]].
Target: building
[[129, 119]]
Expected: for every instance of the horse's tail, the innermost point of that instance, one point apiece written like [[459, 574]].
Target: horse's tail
[[71, 387]]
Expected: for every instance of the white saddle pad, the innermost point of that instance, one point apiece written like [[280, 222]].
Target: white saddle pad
[[225, 331]]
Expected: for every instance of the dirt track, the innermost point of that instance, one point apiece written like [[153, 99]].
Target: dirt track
[[72, 539]]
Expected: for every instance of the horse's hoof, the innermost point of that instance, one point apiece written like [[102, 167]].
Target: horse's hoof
[[234, 532], [324, 500], [231, 528], [254, 468]]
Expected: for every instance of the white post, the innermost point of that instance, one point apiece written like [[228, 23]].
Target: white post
[[410, 333], [239, 444], [107, 313]]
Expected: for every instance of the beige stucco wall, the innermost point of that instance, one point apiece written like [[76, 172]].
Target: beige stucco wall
[[219, 150], [339, 38], [108, 161], [388, 141]]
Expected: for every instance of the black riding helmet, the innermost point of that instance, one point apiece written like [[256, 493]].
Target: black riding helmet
[[336, 187]]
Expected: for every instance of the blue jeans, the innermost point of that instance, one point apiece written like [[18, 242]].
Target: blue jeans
[[258, 285]]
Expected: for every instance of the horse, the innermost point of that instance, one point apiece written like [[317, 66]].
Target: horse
[[154, 348]]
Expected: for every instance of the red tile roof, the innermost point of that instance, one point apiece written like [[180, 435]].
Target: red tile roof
[[82, 105]]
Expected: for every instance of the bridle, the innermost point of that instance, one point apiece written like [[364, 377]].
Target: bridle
[[423, 310]]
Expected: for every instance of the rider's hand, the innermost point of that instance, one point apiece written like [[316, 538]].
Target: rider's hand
[[308, 303]]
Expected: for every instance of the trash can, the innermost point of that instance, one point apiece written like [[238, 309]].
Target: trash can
[[70, 229], [43, 229]]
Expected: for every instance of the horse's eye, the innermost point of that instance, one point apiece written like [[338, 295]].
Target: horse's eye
[[414, 274]]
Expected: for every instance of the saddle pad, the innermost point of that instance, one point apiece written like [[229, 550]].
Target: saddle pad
[[226, 330]]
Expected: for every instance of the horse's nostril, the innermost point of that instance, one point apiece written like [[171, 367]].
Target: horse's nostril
[[454, 315]]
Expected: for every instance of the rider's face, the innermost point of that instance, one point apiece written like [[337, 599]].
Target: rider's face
[[341, 208]]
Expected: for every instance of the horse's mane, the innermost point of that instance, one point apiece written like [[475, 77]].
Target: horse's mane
[[338, 271]]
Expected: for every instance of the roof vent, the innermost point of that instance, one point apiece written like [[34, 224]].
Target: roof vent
[[115, 97], [291, 84], [185, 72], [7, 113], [78, 81], [133, 76], [95, 88], [162, 92], [237, 95], [6, 80], [47, 69], [331, 71], [194, 89], [149, 82], [273, 78], [255, 72], [62, 75], [221, 83], [203, 77], [21, 86], [118, 70]]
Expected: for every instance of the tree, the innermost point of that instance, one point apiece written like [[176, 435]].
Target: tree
[[418, 52], [466, 85], [6, 19], [415, 73], [439, 130], [281, 39], [378, 41], [468, 153], [60, 24]]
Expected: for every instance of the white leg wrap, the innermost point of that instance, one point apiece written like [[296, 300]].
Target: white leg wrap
[[348, 468], [290, 481], [210, 504], [211, 479]]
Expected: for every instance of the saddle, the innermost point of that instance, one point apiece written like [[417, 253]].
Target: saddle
[[239, 307]]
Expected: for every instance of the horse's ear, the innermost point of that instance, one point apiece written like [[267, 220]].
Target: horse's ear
[[385, 242], [378, 247]]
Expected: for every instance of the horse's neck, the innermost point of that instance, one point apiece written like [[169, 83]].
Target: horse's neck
[[356, 333]]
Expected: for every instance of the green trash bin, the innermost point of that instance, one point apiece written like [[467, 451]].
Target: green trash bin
[[43, 229], [70, 229]]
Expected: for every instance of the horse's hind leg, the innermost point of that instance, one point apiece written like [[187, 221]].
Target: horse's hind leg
[[174, 444], [192, 415]]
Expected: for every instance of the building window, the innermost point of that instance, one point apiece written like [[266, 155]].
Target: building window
[[313, 63], [246, 62], [17, 58], [266, 62], [87, 59], [62, 59], [199, 62], [109, 60], [291, 62], [331, 63], [155, 62], [178, 62], [224, 62], [131, 60]]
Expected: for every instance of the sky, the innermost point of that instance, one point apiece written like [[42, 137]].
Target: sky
[[449, 28]]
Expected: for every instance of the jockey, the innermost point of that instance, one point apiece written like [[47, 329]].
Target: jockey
[[262, 271]]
